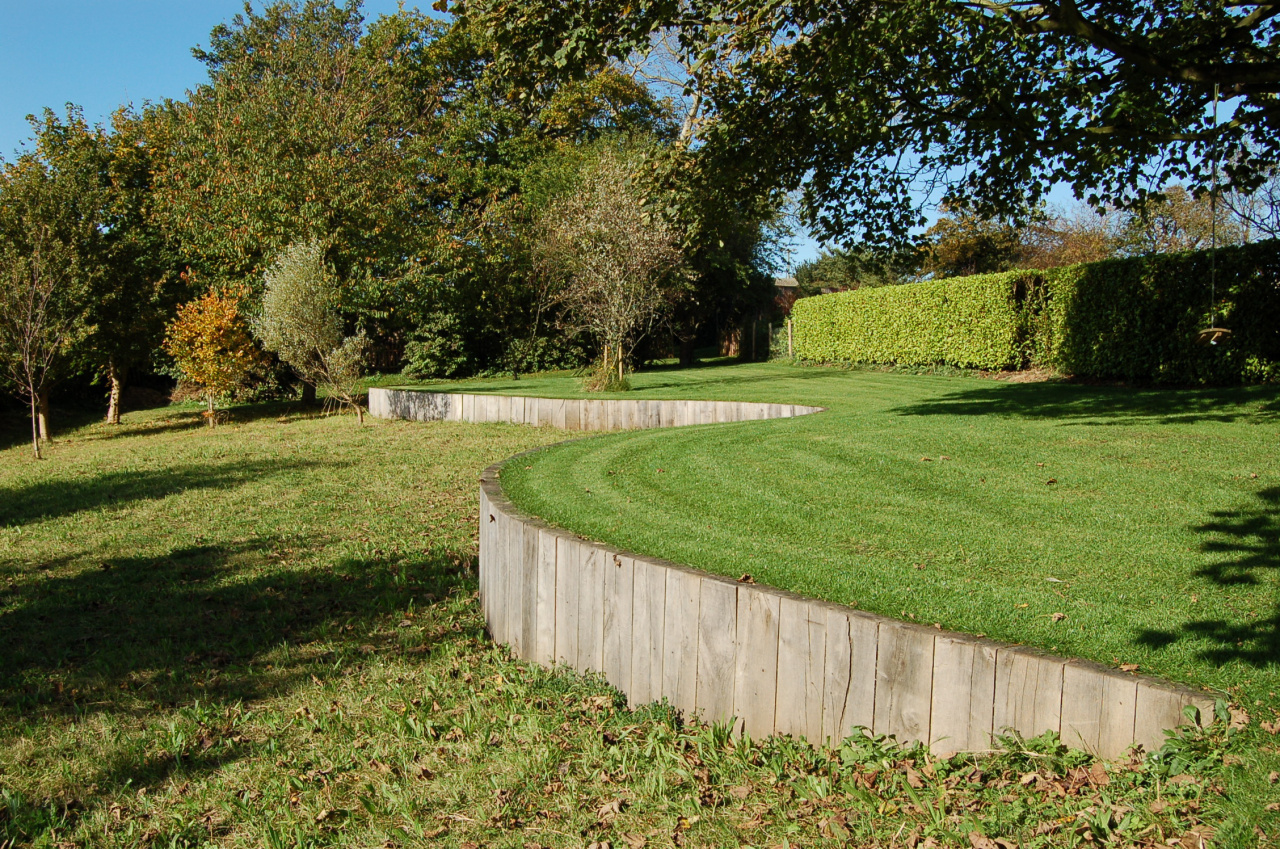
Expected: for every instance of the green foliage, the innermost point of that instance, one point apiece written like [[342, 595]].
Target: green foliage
[[300, 322], [870, 109], [1133, 319], [1137, 318], [51, 246], [842, 269], [437, 348], [614, 259], [962, 243], [973, 322], [311, 124]]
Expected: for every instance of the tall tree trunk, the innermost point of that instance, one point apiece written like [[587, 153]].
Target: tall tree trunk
[[213, 419], [686, 352], [35, 427], [42, 415], [308, 393], [115, 382]]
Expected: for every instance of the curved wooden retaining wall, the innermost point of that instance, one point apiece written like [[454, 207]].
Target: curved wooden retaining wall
[[570, 413], [767, 660]]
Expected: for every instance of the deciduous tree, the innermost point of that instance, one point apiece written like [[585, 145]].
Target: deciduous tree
[[620, 262], [868, 108], [210, 343], [51, 244], [301, 323]]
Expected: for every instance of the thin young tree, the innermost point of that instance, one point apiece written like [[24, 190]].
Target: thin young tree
[[43, 281], [621, 263], [38, 325], [300, 322], [210, 343]]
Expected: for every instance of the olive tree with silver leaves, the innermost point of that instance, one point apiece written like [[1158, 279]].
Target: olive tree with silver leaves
[[300, 322]]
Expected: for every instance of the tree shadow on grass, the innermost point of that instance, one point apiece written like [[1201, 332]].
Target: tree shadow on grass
[[49, 499], [1106, 404], [1246, 547], [218, 625]]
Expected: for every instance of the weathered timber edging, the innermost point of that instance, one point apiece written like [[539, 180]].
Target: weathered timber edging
[[767, 660], [570, 413]]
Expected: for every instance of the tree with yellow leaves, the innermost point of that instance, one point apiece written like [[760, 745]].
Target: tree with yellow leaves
[[210, 342]]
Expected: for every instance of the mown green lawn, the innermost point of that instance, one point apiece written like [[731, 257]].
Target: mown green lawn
[[1150, 519], [266, 635]]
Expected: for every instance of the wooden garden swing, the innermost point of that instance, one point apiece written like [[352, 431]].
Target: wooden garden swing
[[1213, 334]]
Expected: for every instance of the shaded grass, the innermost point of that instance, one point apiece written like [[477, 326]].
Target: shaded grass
[[266, 635]]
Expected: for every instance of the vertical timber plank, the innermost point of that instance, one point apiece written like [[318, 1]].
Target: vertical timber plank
[[590, 609], [680, 641], [1028, 692], [483, 557], [529, 594], [567, 578], [545, 645], [648, 622], [497, 585], [618, 584], [1099, 707], [964, 685], [1159, 707], [717, 650], [849, 680], [756, 675], [904, 681], [801, 667], [573, 414], [512, 595]]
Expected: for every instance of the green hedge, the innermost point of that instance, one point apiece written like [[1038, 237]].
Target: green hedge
[[1133, 319], [974, 322]]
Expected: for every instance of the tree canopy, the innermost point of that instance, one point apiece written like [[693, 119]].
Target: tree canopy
[[868, 108]]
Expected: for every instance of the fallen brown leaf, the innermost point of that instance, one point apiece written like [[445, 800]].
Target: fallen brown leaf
[[609, 810], [979, 841]]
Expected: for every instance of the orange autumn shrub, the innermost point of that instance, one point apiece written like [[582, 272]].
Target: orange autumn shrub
[[210, 342]]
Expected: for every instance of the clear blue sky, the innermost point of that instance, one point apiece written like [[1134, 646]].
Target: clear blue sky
[[99, 54]]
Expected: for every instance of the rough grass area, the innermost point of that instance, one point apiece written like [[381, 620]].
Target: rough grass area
[[266, 635]]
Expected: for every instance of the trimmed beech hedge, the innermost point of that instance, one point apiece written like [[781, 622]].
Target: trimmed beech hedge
[[1133, 319], [963, 321]]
